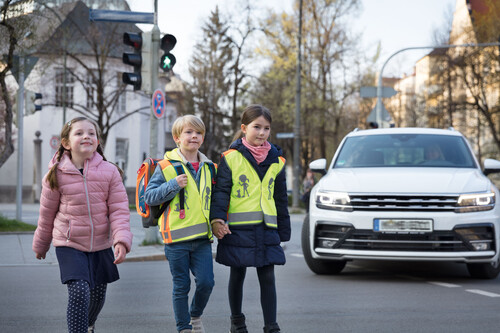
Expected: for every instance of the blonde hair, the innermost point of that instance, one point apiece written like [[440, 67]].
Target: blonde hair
[[66, 130], [187, 120]]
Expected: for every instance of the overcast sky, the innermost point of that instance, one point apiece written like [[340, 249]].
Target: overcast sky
[[396, 24]]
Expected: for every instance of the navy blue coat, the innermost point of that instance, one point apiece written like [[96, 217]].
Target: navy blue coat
[[251, 245]]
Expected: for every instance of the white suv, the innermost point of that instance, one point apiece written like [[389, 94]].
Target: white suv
[[403, 194]]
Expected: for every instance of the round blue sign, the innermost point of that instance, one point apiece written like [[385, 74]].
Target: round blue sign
[[158, 103]]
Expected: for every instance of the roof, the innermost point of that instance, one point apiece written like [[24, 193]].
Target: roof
[[78, 35]]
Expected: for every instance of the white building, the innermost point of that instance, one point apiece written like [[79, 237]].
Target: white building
[[127, 144]]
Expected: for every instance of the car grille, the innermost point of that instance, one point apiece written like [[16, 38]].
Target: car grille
[[426, 203], [343, 237]]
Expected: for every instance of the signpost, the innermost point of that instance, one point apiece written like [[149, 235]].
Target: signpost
[[290, 135]]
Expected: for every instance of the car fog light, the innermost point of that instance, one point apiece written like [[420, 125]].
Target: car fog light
[[328, 243], [481, 246]]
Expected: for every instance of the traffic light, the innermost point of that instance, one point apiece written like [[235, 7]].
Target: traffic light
[[134, 59], [146, 55], [167, 60], [30, 102]]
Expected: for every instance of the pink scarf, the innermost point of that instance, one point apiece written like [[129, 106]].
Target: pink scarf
[[260, 152]]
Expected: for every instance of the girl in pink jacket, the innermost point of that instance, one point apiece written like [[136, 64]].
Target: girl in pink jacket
[[83, 212]]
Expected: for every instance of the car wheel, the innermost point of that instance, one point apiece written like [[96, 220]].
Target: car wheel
[[318, 266], [484, 270]]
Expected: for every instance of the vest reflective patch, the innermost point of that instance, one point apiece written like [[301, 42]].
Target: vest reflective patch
[[252, 200], [195, 224]]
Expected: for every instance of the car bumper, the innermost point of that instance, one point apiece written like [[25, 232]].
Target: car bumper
[[350, 235]]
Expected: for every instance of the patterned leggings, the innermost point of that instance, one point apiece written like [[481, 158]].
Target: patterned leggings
[[84, 305]]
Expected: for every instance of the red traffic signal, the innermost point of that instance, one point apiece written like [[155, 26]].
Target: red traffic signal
[[133, 59]]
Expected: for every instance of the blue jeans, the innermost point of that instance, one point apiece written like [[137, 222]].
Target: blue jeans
[[195, 255]]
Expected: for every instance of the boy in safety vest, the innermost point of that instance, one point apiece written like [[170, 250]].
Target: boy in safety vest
[[185, 225]]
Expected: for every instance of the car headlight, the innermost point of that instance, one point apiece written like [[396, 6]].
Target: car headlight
[[475, 202], [333, 200]]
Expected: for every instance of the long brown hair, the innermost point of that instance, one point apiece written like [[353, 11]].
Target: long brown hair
[[52, 174], [251, 113]]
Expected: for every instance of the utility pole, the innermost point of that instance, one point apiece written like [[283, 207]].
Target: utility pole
[[296, 128], [20, 133]]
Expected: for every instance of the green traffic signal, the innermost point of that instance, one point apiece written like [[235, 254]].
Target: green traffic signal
[[167, 62]]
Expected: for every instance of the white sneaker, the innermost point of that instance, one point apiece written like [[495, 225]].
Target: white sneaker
[[197, 325]]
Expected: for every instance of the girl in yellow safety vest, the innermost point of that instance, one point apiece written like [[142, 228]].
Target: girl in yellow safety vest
[[249, 214]]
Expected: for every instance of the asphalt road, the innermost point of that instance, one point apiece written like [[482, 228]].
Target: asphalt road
[[366, 297]]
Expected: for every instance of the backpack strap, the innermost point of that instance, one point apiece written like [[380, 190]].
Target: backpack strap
[[212, 168], [180, 170]]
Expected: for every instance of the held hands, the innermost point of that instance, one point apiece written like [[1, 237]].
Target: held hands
[[182, 180], [220, 229], [120, 253]]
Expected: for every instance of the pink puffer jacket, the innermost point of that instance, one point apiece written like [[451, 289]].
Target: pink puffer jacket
[[88, 212]]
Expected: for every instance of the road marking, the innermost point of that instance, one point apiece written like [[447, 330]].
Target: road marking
[[443, 284], [298, 255], [482, 292]]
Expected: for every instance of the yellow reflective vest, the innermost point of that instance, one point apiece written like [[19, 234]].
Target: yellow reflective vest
[[195, 223], [252, 200]]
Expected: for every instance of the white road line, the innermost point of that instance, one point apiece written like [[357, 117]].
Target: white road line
[[482, 292], [298, 255], [443, 284]]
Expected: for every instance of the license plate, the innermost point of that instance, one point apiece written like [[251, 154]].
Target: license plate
[[402, 225]]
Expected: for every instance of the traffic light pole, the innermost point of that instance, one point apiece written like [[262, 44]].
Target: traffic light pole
[[151, 234], [20, 118]]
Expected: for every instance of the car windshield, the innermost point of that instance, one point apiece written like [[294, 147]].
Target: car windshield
[[405, 150]]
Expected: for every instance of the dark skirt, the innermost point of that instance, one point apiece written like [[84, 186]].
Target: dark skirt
[[94, 267]]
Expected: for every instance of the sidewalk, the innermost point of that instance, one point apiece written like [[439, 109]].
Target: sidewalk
[[15, 248]]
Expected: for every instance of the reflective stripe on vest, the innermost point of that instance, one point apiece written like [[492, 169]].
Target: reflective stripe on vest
[[252, 200], [195, 224]]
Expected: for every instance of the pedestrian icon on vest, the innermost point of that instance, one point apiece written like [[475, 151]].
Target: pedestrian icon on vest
[[207, 198], [243, 183], [270, 187], [177, 208]]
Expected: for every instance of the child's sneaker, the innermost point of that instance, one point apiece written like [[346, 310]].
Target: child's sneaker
[[197, 325], [91, 329]]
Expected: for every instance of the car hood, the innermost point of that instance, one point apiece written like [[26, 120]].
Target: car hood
[[405, 180]]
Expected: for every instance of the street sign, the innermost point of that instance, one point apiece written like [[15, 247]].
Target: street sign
[[158, 103], [54, 142], [285, 135], [120, 16], [371, 92]]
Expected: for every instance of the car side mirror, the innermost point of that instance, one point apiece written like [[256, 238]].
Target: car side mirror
[[491, 166], [318, 166]]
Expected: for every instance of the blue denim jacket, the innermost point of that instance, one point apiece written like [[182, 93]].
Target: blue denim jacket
[[159, 190]]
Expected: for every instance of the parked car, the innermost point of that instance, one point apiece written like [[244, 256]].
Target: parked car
[[403, 194]]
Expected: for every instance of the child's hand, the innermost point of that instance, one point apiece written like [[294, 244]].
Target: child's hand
[[40, 256], [120, 253], [182, 180], [220, 229]]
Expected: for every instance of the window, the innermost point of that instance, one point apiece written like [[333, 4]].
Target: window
[[91, 90], [122, 153], [122, 98], [70, 83]]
